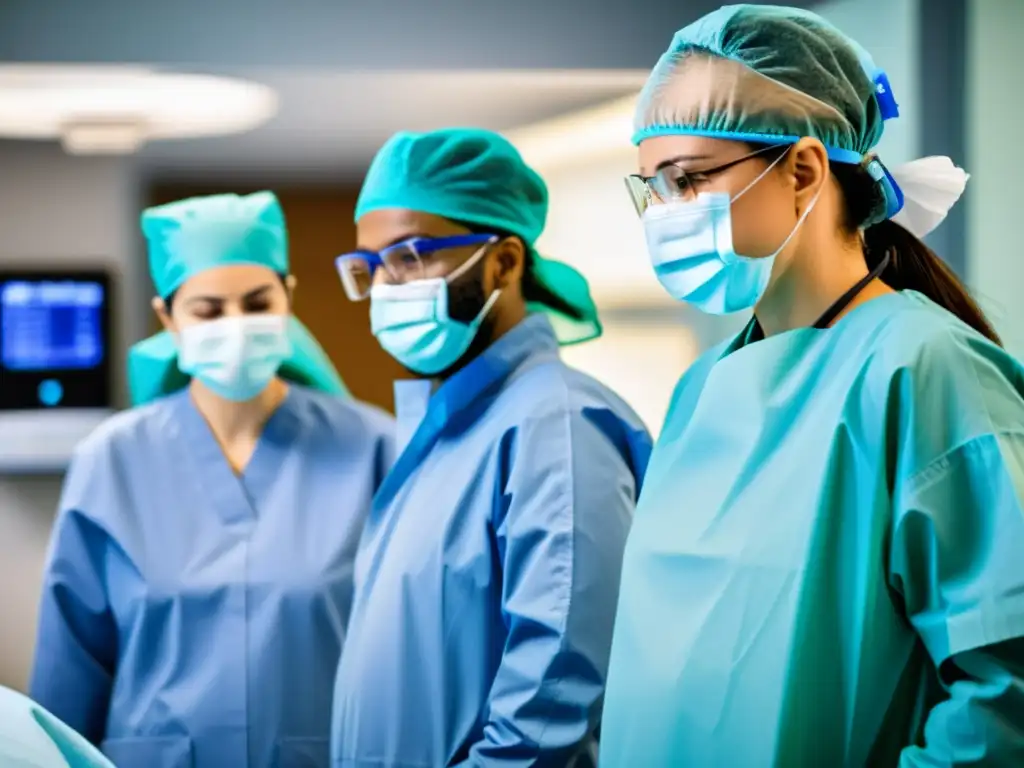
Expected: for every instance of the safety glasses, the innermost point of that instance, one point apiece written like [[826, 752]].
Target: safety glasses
[[671, 183], [402, 262]]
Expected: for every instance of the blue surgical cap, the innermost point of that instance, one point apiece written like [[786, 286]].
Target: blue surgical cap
[[477, 177], [193, 235]]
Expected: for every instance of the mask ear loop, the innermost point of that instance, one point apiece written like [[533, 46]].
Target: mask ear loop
[[760, 176], [803, 216], [468, 263]]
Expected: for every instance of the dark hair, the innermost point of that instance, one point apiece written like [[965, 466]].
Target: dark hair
[[912, 264], [533, 291], [169, 298]]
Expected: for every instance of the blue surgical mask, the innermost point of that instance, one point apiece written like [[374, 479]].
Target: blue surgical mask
[[691, 249], [412, 324], [235, 357]]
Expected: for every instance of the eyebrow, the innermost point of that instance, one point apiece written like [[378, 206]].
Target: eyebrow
[[680, 159], [248, 296]]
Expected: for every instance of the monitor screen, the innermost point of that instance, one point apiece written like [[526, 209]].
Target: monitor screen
[[54, 340]]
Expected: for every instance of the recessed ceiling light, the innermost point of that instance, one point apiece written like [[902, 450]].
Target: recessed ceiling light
[[116, 109]]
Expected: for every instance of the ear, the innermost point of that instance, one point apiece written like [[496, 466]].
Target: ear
[[508, 257], [290, 283], [162, 314], [810, 168]]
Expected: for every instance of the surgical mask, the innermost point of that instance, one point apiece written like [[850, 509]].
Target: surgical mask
[[691, 249], [412, 324], [235, 357]]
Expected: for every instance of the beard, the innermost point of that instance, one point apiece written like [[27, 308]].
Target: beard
[[466, 300]]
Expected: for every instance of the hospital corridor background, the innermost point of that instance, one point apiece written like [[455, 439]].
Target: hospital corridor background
[[108, 108]]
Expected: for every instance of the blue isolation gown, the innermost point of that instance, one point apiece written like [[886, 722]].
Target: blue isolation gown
[[488, 573], [827, 564], [192, 618], [31, 737]]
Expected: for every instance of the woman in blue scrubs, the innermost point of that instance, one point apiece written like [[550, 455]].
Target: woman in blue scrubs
[[200, 572], [825, 567]]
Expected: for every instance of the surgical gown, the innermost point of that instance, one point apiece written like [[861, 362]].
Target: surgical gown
[[31, 737], [827, 564], [488, 573], [192, 618]]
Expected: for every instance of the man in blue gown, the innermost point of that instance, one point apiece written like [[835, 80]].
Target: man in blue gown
[[488, 573]]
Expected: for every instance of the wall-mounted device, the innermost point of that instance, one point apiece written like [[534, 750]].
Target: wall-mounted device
[[55, 364]]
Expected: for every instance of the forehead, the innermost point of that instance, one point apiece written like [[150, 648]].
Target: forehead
[[229, 281], [380, 228], [689, 149]]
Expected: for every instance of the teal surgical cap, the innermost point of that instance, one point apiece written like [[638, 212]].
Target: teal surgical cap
[[191, 236], [767, 74], [478, 178]]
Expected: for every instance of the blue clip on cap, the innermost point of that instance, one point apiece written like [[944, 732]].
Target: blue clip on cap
[[883, 94], [893, 194]]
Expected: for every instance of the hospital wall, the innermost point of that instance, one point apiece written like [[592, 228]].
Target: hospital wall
[[58, 210], [996, 161]]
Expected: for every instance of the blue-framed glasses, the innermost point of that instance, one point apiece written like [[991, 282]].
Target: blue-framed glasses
[[402, 262]]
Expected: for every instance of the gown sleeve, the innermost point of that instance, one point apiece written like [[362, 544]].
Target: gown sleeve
[[957, 557], [564, 516], [76, 643]]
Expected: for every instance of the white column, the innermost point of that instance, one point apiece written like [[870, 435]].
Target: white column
[[995, 256]]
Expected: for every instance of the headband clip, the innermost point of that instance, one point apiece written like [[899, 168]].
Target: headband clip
[[891, 190]]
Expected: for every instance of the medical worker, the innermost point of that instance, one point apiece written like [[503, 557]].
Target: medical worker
[[826, 567], [487, 577], [199, 579]]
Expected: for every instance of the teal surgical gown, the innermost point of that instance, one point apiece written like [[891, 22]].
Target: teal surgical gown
[[31, 737], [827, 563], [192, 618], [488, 573]]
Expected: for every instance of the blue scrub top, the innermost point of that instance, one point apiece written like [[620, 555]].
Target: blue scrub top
[[192, 617], [827, 564], [488, 572]]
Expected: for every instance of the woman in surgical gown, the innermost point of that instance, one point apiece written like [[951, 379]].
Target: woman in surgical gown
[[199, 576], [826, 566]]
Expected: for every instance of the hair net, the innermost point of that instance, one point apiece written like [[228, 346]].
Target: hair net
[[774, 74], [477, 177], [191, 236]]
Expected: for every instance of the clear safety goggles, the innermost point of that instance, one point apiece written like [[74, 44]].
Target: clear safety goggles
[[402, 262], [671, 183]]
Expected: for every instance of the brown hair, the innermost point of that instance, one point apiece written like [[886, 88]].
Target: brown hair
[[912, 264]]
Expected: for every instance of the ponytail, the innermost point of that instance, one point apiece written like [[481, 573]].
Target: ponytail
[[912, 264]]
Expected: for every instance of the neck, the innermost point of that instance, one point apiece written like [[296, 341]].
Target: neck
[[504, 321], [507, 320], [811, 284], [231, 422]]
